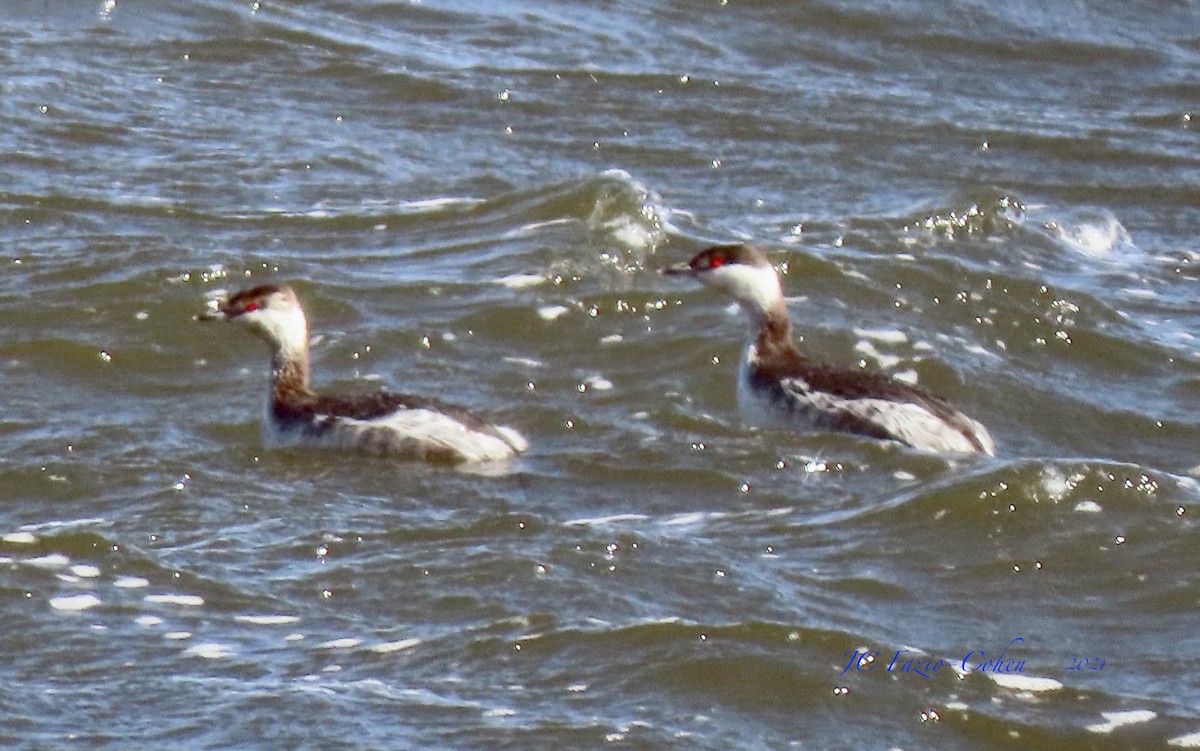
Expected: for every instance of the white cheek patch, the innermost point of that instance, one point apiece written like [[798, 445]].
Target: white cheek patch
[[756, 286], [286, 328]]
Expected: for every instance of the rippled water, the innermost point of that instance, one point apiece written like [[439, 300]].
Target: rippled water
[[472, 199]]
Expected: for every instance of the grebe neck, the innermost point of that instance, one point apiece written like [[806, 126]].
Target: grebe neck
[[774, 340], [290, 373]]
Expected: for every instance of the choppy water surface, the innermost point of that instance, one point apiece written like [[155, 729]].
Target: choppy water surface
[[997, 199]]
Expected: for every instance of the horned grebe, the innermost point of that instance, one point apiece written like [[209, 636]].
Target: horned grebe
[[776, 384], [380, 423]]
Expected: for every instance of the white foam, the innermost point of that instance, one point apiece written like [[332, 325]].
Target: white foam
[[148, 620], [525, 229], [551, 312], [1100, 236], [85, 570], [631, 233], [58, 523], [1030, 683], [210, 651], [184, 600], [619, 174], [53, 560], [20, 538], [1191, 740], [434, 204], [867, 349], [395, 646], [1140, 294], [1088, 507], [1114, 720], [348, 642], [130, 582], [267, 620], [599, 520], [695, 517], [74, 603], [526, 361], [178, 635], [883, 336], [521, 281], [599, 383]]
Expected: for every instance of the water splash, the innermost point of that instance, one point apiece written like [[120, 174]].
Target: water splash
[[1095, 234]]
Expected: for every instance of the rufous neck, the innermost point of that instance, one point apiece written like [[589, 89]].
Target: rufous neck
[[290, 371]]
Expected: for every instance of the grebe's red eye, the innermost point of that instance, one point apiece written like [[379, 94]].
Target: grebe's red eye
[[716, 262], [250, 307]]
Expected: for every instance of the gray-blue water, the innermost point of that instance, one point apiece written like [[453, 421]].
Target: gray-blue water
[[999, 200]]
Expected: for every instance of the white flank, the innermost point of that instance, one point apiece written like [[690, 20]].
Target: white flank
[[424, 426], [417, 433], [908, 422], [917, 426]]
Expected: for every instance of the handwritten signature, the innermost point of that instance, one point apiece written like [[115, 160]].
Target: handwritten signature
[[866, 660]]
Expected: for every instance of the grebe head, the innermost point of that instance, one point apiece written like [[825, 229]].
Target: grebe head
[[740, 271], [272, 312]]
